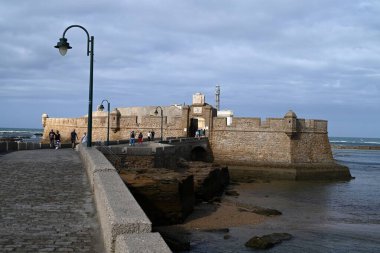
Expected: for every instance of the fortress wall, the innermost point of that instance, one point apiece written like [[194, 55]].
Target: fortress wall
[[312, 125], [148, 123], [311, 148], [252, 124], [65, 127], [249, 147], [99, 127], [248, 141]]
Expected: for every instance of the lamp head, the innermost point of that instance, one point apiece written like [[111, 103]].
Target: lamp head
[[156, 112], [63, 45], [101, 107]]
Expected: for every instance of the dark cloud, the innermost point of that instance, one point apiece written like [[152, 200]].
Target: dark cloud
[[317, 57]]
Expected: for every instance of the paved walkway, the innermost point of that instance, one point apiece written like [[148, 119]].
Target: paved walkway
[[46, 203]]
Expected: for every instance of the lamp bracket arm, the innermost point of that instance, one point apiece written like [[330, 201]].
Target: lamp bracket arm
[[88, 36]]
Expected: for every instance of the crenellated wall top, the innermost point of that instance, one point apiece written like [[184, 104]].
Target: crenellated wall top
[[269, 124]]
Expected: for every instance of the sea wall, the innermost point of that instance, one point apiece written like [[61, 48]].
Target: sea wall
[[250, 141], [125, 227]]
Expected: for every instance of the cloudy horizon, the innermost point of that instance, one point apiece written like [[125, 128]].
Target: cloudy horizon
[[318, 58]]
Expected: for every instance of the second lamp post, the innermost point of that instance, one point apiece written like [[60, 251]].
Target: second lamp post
[[101, 107]]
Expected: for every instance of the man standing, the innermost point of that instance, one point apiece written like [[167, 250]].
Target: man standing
[[132, 139], [58, 140], [152, 135], [74, 137], [51, 138]]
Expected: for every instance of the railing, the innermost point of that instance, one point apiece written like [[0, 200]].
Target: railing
[[186, 139], [111, 156]]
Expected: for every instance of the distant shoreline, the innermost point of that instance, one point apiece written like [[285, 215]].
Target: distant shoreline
[[361, 147]]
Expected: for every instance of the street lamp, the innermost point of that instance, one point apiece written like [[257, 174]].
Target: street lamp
[[63, 46], [101, 107], [162, 119]]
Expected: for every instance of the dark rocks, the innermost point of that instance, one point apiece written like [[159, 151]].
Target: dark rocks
[[261, 211], [209, 179], [217, 230], [231, 193], [258, 210], [226, 237], [267, 241], [167, 197], [268, 212], [175, 237]]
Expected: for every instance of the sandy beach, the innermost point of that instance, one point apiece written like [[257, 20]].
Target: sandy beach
[[220, 215], [226, 212]]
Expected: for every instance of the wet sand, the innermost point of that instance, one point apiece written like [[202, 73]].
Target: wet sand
[[222, 215]]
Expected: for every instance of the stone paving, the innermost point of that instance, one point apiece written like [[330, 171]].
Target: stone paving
[[46, 204]]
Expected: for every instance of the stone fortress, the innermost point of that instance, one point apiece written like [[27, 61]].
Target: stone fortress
[[286, 148]]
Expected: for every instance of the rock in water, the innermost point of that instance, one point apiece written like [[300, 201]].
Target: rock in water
[[176, 238], [267, 241], [209, 179]]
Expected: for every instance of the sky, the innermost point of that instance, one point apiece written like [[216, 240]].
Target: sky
[[319, 58]]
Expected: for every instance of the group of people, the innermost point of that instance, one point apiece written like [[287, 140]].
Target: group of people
[[200, 133], [55, 139], [132, 139]]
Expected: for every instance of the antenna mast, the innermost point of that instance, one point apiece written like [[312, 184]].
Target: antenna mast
[[217, 97]]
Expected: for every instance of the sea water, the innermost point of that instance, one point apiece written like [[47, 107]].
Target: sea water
[[322, 216], [354, 141], [21, 134]]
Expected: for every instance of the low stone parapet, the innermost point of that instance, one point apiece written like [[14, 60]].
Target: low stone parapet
[[125, 227], [9, 146]]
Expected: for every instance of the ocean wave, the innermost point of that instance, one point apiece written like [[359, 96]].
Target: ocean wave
[[15, 131], [21, 134]]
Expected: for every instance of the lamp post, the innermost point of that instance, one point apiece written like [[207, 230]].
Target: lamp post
[[162, 119], [101, 107], [63, 46]]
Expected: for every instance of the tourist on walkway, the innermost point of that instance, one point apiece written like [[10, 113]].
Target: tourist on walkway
[[84, 138], [132, 139], [152, 135], [149, 135], [140, 140], [51, 138], [57, 140], [197, 134], [74, 137]]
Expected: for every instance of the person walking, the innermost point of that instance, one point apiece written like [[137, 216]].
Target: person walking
[[74, 137], [132, 139], [84, 138], [140, 140], [57, 140], [149, 135], [152, 135], [51, 138]]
